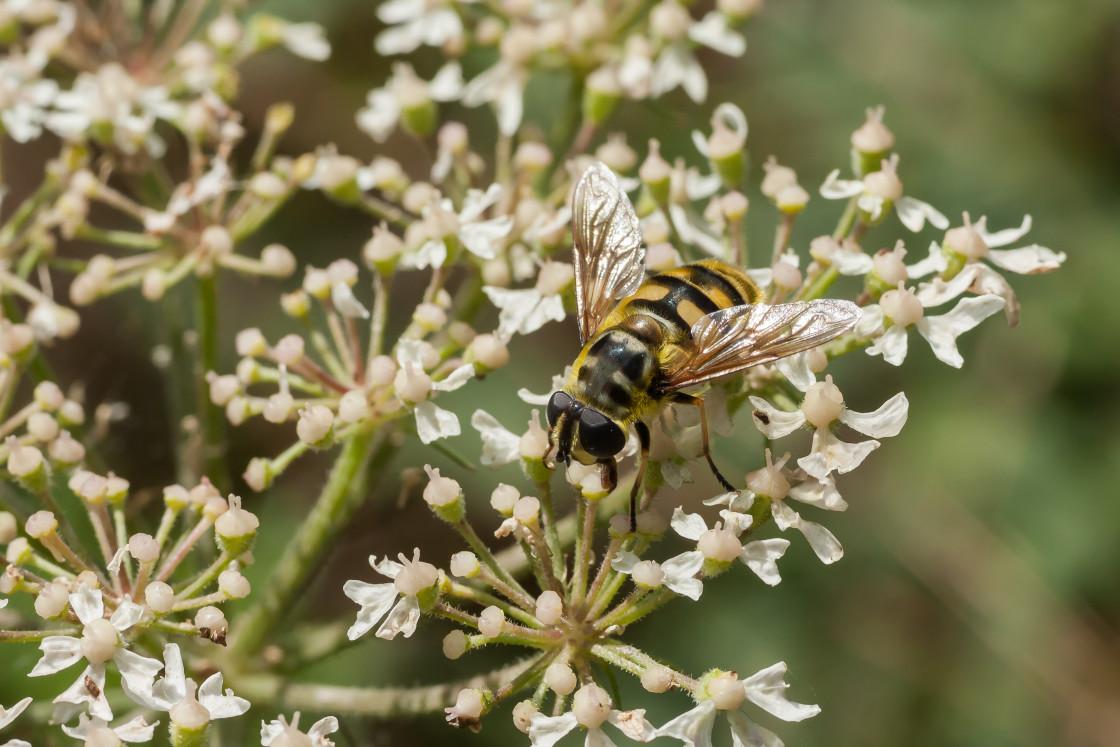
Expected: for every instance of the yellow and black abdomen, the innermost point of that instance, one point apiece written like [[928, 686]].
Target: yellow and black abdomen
[[617, 370]]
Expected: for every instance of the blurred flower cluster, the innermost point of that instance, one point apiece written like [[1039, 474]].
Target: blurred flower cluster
[[97, 578]]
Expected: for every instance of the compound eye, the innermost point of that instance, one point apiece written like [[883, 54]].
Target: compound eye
[[559, 403], [599, 436]]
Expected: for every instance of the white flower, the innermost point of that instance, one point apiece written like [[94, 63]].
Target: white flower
[[725, 693], [432, 422], [100, 642], [679, 571], [318, 732], [882, 190], [8, 715], [410, 578], [499, 446], [972, 242], [502, 85], [24, 99], [761, 556], [383, 105], [174, 686], [676, 65], [591, 708], [416, 22], [479, 236], [307, 40], [214, 182], [98, 731], [941, 331], [823, 407]]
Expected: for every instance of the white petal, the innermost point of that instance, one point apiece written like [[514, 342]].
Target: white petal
[[1004, 237], [386, 566], [712, 31], [430, 254], [761, 557], [870, 321], [835, 188], [114, 566], [700, 142], [399, 39], [499, 446], [830, 453], [796, 369], [8, 715], [375, 601], [885, 422], [818, 493], [775, 423], [220, 704], [679, 572], [942, 331], [935, 262], [481, 239], [127, 614], [692, 727], [689, 526], [746, 733], [88, 690], [872, 205], [400, 11], [171, 688], [456, 379], [510, 107], [434, 423], [545, 731], [938, 291], [82, 729], [307, 40], [699, 186], [447, 85], [59, 652], [852, 263], [624, 561], [401, 619], [322, 728], [914, 214], [736, 521], [633, 724], [1027, 260], [87, 604], [696, 234], [136, 730], [892, 345], [138, 671], [762, 276], [597, 738], [346, 303], [766, 689]]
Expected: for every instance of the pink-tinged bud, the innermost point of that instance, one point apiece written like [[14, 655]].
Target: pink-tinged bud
[[143, 547], [16, 340], [233, 584], [884, 183], [785, 275], [41, 524], [873, 137], [669, 20], [217, 240], [468, 709], [655, 173], [616, 154], [902, 306], [823, 403], [461, 333], [734, 205], [965, 240], [549, 607], [250, 343], [554, 277], [532, 156], [25, 462], [504, 498], [278, 407], [159, 597], [726, 691], [453, 137], [488, 352], [777, 178], [490, 622], [222, 388], [42, 427], [415, 576], [527, 510], [353, 407], [823, 248], [455, 644], [289, 350], [203, 492], [277, 260], [534, 443], [657, 678], [315, 424], [214, 508], [464, 564], [560, 678], [99, 641], [66, 451], [52, 599], [652, 524], [49, 396], [889, 265], [382, 371], [429, 316], [591, 705], [817, 360], [9, 528], [259, 474]]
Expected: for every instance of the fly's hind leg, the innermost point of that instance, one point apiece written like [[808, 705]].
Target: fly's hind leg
[[608, 474], [687, 399], [643, 440]]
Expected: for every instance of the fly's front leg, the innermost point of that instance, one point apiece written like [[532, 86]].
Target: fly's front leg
[[697, 402], [643, 440], [608, 474]]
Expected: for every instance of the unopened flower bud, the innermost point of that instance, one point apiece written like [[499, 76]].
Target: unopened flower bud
[[792, 199], [9, 528], [655, 173], [523, 714], [444, 496], [258, 474], [600, 95], [99, 641], [49, 396], [143, 547], [382, 371], [490, 622], [412, 385], [464, 564], [52, 599], [429, 317], [554, 277], [657, 678], [785, 275], [884, 183], [289, 350], [527, 510], [871, 142], [296, 304], [42, 426], [353, 407], [66, 451], [455, 644], [889, 267], [725, 690], [504, 498], [777, 178], [902, 306], [269, 186], [488, 353], [18, 552], [159, 597], [217, 240], [278, 261], [41, 524], [648, 574], [616, 154], [26, 463], [175, 497], [222, 388], [251, 342], [532, 156], [154, 284], [212, 624], [669, 20], [534, 442], [16, 340], [382, 250], [823, 403], [965, 240], [549, 607], [738, 10], [233, 584], [236, 528], [560, 678], [315, 424], [468, 709], [189, 719], [591, 705]]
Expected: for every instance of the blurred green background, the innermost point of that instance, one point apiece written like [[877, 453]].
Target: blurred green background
[[978, 601]]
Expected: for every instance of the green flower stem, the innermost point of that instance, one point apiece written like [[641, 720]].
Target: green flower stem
[[847, 219], [346, 489], [523, 600], [183, 548], [166, 524], [189, 604], [627, 613], [17, 636], [209, 416], [521, 596], [379, 314], [481, 597], [614, 581], [279, 692], [170, 626], [604, 569], [27, 208], [820, 285], [385, 210], [203, 579], [125, 239], [551, 536], [611, 655], [782, 236], [532, 672], [585, 520], [538, 545]]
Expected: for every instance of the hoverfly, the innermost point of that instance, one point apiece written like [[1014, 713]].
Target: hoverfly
[[646, 339]]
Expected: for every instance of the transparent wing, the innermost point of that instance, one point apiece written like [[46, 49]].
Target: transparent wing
[[732, 339], [609, 257]]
